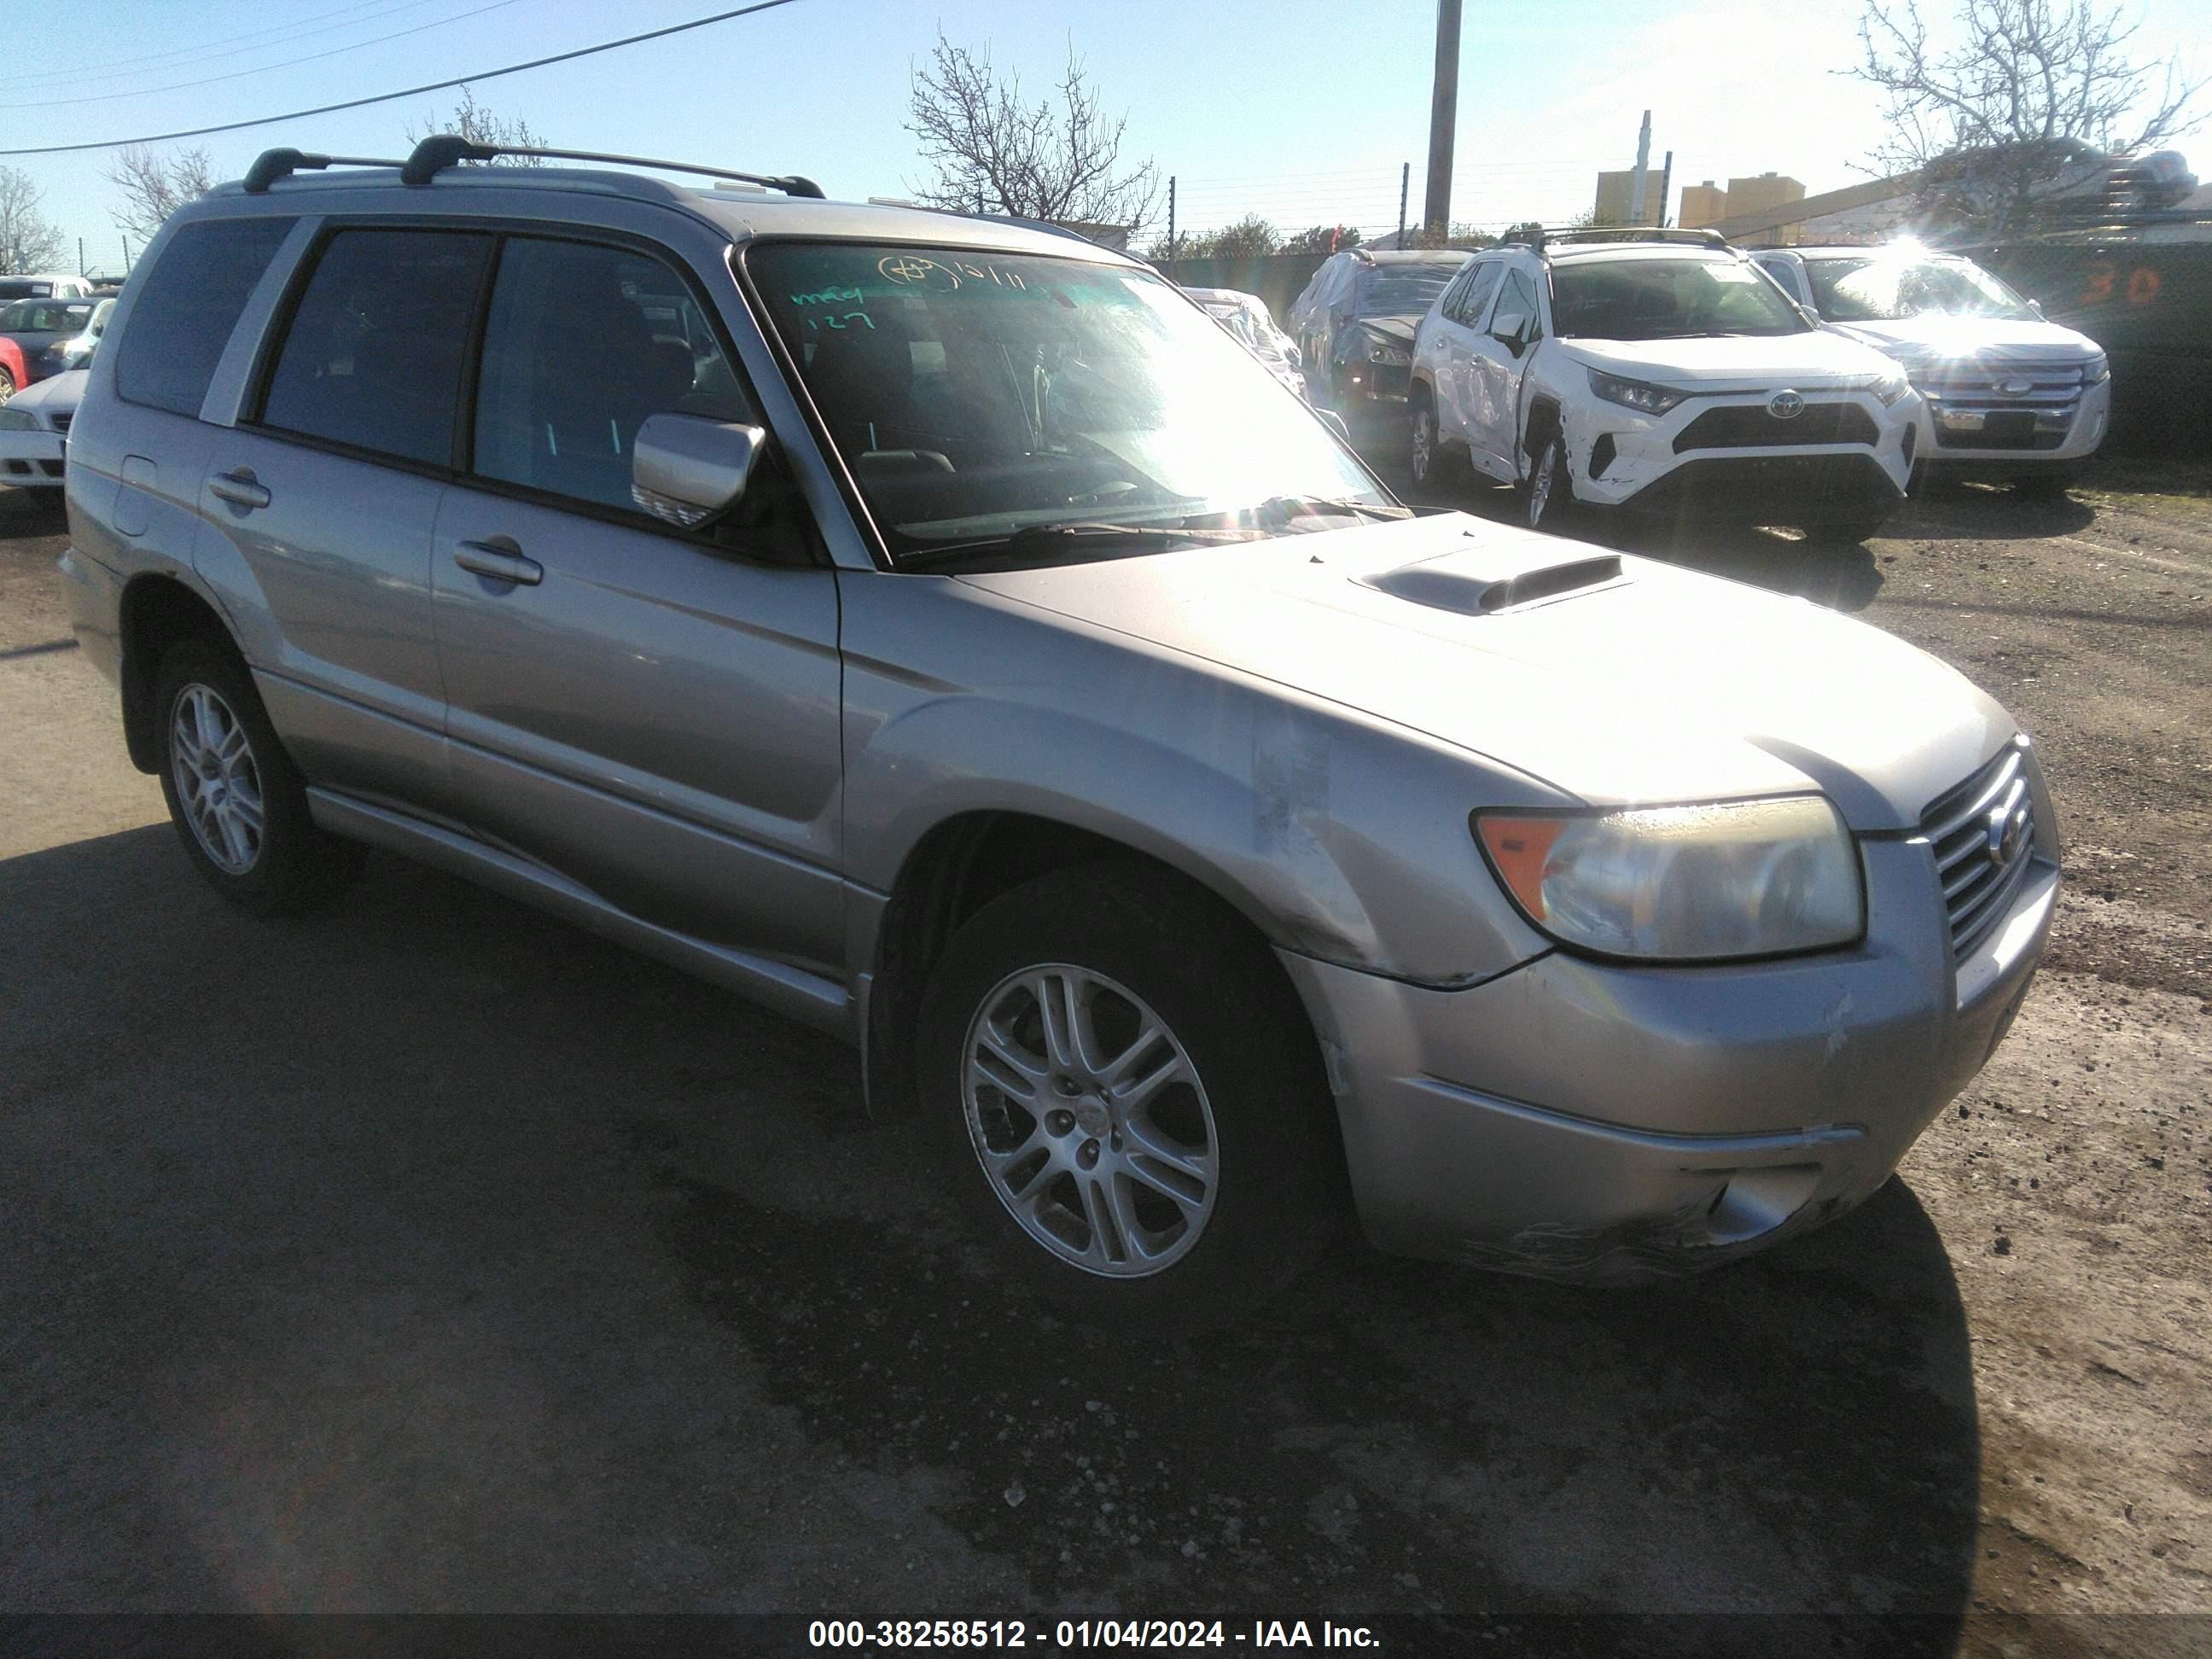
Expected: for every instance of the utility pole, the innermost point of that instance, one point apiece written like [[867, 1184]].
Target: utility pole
[[1405, 185], [80, 256], [1443, 118], [1635, 181], [1666, 188], [1172, 225]]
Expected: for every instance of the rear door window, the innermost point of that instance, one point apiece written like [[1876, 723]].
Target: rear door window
[[374, 354], [582, 343], [181, 322]]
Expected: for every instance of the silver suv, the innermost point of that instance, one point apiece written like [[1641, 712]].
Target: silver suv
[[937, 630]]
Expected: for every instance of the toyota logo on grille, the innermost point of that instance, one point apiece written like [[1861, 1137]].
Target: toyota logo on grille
[[1786, 405], [2016, 388], [2006, 833]]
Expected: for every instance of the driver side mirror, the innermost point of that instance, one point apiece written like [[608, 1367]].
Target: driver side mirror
[[689, 470], [2036, 306], [1510, 329]]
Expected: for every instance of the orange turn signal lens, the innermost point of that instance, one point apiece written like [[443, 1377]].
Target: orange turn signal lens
[[1520, 848]]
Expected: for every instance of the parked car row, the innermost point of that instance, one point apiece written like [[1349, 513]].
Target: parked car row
[[1668, 373], [940, 630]]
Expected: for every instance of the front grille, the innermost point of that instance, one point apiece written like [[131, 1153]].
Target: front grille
[[1976, 889], [2001, 405], [1744, 426]]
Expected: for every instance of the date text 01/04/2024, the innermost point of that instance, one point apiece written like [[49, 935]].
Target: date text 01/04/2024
[[865, 1635]]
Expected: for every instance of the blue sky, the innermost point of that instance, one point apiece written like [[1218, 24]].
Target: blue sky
[[1300, 110]]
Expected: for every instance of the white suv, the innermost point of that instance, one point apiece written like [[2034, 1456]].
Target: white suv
[[2003, 393], [1664, 374]]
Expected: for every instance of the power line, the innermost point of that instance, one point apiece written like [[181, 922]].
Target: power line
[[117, 69], [239, 75], [407, 92]]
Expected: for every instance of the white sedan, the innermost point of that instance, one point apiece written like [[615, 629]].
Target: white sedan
[[34, 428]]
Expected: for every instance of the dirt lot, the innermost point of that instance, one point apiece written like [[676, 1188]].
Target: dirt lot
[[424, 1254]]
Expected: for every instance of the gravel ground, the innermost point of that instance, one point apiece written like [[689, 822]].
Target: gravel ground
[[424, 1255]]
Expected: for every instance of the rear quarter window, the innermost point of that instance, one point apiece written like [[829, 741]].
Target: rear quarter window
[[192, 299]]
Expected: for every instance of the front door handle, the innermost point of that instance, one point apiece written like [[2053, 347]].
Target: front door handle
[[240, 489], [502, 564]]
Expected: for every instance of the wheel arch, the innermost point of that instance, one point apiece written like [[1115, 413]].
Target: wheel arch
[[157, 611], [962, 863]]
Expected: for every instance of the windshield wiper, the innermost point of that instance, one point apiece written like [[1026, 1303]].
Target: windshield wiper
[[1054, 538]]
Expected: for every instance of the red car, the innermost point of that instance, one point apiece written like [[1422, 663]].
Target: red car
[[30, 336]]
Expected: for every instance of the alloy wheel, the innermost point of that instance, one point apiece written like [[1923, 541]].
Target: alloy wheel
[[1089, 1121], [1540, 483], [218, 781], [1423, 445]]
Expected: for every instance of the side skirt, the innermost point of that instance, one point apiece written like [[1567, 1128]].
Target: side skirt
[[792, 992]]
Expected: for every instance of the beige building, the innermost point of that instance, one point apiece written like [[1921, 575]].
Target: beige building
[[1703, 205], [1616, 190]]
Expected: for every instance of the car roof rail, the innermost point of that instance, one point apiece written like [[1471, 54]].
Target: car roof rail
[[274, 164], [1538, 236], [441, 150]]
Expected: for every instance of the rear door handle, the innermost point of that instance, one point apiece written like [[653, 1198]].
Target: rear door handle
[[240, 489], [502, 564]]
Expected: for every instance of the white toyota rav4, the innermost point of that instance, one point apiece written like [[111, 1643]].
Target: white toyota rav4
[[1657, 372]]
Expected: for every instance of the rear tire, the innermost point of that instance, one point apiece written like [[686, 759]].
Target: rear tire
[[7, 385], [238, 804], [1170, 1164]]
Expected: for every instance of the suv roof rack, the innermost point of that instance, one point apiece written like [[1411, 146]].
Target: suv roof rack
[[441, 150], [1538, 237], [274, 164]]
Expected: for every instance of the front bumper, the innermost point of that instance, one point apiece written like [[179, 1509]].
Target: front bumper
[[1594, 1121], [1660, 465], [1375, 382], [31, 457], [1954, 433]]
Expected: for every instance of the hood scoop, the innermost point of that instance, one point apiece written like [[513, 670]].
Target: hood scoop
[[1472, 584]]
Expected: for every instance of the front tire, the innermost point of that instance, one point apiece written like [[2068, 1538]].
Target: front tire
[[1128, 1100], [238, 804], [1550, 498], [7, 385], [1429, 461]]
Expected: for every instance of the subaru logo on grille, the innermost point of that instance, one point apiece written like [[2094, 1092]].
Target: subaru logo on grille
[[2016, 388], [2007, 835], [1786, 405]]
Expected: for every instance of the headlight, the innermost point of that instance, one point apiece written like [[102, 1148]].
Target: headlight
[[1890, 387], [18, 420], [2097, 370], [1635, 394], [1380, 352], [1684, 884]]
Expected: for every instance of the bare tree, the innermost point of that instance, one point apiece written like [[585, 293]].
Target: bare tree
[[481, 124], [28, 241], [2015, 105], [153, 186], [996, 152]]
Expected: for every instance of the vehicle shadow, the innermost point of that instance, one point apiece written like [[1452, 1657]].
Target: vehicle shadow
[[25, 514], [538, 1212]]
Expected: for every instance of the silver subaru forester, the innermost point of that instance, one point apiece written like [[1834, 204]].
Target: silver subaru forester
[[934, 628]]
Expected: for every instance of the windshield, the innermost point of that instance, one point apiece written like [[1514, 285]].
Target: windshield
[[1873, 290], [1403, 290], [974, 396], [43, 317], [1667, 300]]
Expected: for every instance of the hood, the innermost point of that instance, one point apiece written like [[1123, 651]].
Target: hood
[[1651, 685], [1818, 357], [1398, 330], [58, 394], [1989, 338]]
